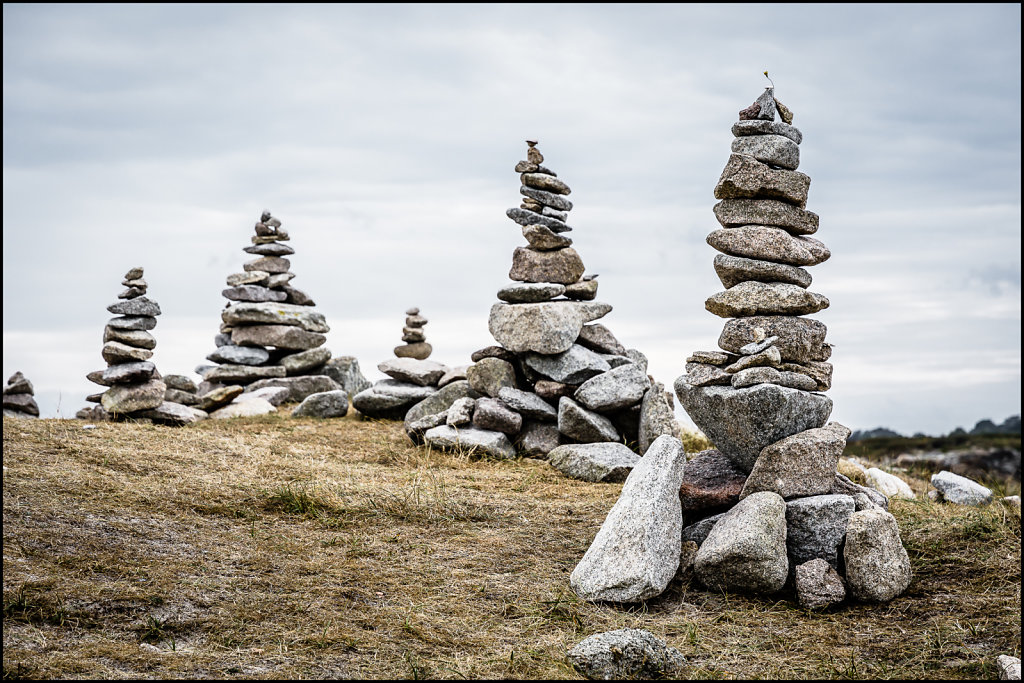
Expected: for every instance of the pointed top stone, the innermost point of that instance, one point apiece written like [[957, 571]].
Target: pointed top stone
[[413, 311], [134, 274], [531, 143]]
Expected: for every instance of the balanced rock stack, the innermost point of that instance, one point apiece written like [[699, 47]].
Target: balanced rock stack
[[767, 505], [19, 400], [415, 339], [556, 377], [270, 335]]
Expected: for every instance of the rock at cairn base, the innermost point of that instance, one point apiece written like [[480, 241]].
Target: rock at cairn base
[[759, 400], [626, 654], [19, 400], [415, 338]]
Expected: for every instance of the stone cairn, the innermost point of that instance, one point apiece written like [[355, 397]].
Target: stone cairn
[[271, 336], [556, 377], [415, 339], [19, 398], [766, 508]]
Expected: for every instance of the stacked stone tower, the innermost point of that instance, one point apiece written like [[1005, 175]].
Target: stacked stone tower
[[556, 377], [19, 397], [415, 339], [767, 504]]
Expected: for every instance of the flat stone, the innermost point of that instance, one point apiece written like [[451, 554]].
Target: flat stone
[[548, 328], [528, 404], [132, 322], [609, 462], [418, 350], [296, 296], [251, 277], [770, 357], [273, 395], [543, 181], [460, 412], [733, 270], [710, 481], [818, 585], [555, 201], [543, 238], [493, 351], [575, 365], [816, 527], [626, 654], [489, 375], [253, 294], [269, 249], [889, 485], [299, 387], [493, 414], [754, 348], [243, 374], [123, 399], [345, 371], [268, 264], [766, 243], [745, 177], [755, 127], [247, 407], [116, 352], [280, 336], [417, 428], [180, 382], [599, 338], [185, 398], [776, 150], [710, 357], [390, 399], [635, 553], [272, 313], [129, 373], [422, 372], [438, 402], [137, 306], [137, 338], [324, 405], [560, 266], [877, 564], [470, 440], [537, 439], [583, 425], [413, 335], [584, 290], [704, 375], [526, 217], [803, 464], [758, 375], [618, 388], [656, 417], [746, 549], [240, 355], [137, 283], [960, 490], [171, 413], [218, 398], [765, 298], [741, 422], [843, 485], [799, 339], [530, 292], [134, 274], [734, 213], [304, 361], [23, 403], [132, 292], [452, 374]]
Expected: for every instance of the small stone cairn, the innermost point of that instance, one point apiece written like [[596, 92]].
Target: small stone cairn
[[767, 506], [271, 336], [415, 339], [556, 378], [19, 400]]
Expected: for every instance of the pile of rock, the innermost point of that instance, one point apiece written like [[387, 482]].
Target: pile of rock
[[766, 507], [410, 382], [555, 377], [415, 339], [19, 400], [271, 336]]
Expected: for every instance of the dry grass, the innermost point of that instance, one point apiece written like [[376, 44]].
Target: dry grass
[[293, 548]]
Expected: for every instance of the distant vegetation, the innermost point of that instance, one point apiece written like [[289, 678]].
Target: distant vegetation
[[1010, 425]]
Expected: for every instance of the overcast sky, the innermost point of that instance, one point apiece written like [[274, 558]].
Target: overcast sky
[[385, 137]]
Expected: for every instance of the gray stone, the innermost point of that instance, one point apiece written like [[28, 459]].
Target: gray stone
[[555, 201], [299, 387], [698, 531], [584, 290], [304, 361], [704, 375], [323, 405], [116, 352], [452, 374], [177, 396], [526, 217], [575, 365], [888, 484], [530, 292], [799, 339], [549, 327], [816, 527], [470, 440], [770, 357], [244, 407], [543, 238], [746, 549], [765, 298], [626, 654], [842, 484], [528, 404], [489, 375], [131, 293], [129, 373], [745, 177], [268, 264], [280, 336], [240, 355], [776, 150], [756, 375], [493, 351], [656, 417], [269, 249], [803, 464], [253, 293], [766, 104], [218, 398], [438, 402], [296, 296], [275, 396], [616, 361], [280, 280], [1009, 668], [638, 358], [599, 338], [755, 127], [345, 371], [21, 402], [636, 551], [492, 414], [543, 181], [552, 391], [734, 213], [560, 266], [877, 565], [137, 338], [390, 399], [422, 372], [711, 481], [766, 243], [609, 462], [733, 270], [583, 425], [243, 374], [741, 422], [132, 322], [131, 398], [250, 277], [460, 413], [417, 428], [137, 306], [537, 439], [711, 358], [618, 388], [173, 413], [180, 382], [961, 490], [222, 339], [818, 585], [271, 313]]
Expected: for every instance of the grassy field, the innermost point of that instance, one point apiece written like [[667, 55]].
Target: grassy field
[[275, 547]]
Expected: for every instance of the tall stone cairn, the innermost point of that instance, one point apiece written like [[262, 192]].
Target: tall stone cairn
[[767, 505], [556, 377], [270, 335], [19, 399], [415, 339]]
